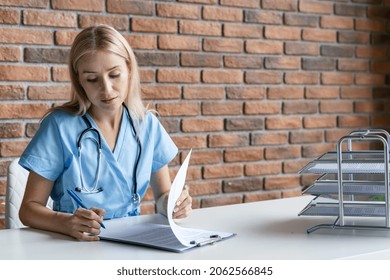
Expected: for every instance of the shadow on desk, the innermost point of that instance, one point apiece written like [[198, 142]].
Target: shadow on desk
[[300, 226], [43, 234]]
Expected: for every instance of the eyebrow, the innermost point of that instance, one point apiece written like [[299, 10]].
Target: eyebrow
[[91, 72]]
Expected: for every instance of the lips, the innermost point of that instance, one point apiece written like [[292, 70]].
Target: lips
[[108, 99]]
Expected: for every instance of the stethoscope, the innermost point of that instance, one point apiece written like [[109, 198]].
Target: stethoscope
[[95, 188]]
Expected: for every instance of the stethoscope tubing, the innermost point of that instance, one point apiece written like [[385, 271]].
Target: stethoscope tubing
[[95, 189]]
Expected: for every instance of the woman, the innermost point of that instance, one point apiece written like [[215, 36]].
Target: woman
[[105, 111]]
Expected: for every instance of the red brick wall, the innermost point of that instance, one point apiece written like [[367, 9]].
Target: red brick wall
[[256, 87]]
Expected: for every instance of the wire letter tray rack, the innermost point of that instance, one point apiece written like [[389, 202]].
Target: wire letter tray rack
[[354, 183]]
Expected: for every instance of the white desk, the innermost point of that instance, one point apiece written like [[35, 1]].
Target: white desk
[[269, 230]]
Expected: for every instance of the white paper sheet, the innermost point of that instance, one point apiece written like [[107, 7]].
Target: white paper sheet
[[184, 235]]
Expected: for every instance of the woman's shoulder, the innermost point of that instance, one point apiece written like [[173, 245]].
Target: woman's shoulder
[[150, 116], [60, 117], [150, 119]]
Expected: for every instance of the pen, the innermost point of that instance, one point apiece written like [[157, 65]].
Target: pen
[[79, 202]]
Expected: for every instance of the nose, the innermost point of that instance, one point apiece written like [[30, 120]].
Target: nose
[[106, 85]]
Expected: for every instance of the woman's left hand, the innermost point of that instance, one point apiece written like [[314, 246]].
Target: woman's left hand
[[183, 204]]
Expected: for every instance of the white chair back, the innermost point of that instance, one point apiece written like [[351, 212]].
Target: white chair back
[[16, 185]]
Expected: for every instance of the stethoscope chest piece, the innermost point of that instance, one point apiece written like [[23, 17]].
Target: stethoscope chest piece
[[136, 199]]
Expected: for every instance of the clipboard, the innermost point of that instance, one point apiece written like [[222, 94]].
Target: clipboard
[[157, 236], [166, 235]]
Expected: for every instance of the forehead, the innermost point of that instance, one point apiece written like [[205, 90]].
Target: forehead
[[100, 61]]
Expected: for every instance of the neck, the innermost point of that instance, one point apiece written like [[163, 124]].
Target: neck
[[106, 119]]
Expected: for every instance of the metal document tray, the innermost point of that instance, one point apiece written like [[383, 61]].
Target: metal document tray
[[351, 209], [353, 162], [364, 188], [356, 184]]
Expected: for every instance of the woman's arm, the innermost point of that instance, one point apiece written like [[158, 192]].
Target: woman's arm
[[83, 224], [161, 184]]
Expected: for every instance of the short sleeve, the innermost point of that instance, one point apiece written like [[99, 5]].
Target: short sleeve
[[44, 154], [164, 148]]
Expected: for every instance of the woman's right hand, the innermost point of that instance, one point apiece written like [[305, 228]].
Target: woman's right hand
[[85, 224]]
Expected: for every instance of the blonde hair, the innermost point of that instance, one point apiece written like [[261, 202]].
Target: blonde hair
[[102, 38]]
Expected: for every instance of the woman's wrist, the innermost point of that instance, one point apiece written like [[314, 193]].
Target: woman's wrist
[[162, 204]]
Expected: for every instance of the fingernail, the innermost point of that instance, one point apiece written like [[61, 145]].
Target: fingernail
[[176, 209], [178, 202]]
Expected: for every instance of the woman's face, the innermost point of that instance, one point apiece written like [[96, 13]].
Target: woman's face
[[104, 77]]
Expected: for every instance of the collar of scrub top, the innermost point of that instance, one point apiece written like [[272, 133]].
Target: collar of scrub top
[[95, 189]]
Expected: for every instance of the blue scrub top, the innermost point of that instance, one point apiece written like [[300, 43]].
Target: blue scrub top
[[53, 154]]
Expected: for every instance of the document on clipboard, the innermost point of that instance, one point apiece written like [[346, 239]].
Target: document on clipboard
[[171, 236]]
